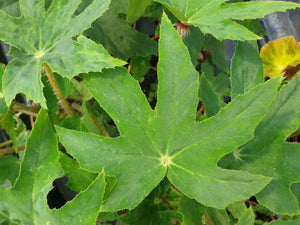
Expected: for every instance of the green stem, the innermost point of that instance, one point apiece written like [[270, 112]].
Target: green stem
[[57, 90]]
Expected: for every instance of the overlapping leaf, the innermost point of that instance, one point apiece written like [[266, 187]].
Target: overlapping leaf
[[11, 7], [45, 36], [270, 155], [9, 167], [136, 9], [3, 107], [282, 222], [169, 142], [246, 68], [119, 38], [194, 213], [26, 201], [216, 17]]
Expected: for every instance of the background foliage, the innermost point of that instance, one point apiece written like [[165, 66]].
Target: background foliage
[[128, 112]]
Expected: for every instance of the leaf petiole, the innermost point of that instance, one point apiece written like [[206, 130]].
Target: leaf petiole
[[6, 151], [57, 90]]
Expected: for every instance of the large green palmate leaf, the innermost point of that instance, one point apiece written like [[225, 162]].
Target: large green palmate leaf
[[270, 155], [169, 142], [216, 17], [26, 202], [45, 36]]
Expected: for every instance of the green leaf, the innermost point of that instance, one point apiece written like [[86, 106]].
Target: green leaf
[[26, 201], [213, 103], [11, 7], [255, 26], [194, 41], [45, 38], [194, 213], [169, 142], [95, 120], [151, 210], [121, 40], [270, 155], [79, 179], [220, 81], [15, 128], [136, 9], [80, 90], [295, 188], [139, 67], [72, 122], [280, 222], [246, 68], [216, 17], [9, 167], [3, 106], [154, 11], [244, 215], [263, 210], [218, 52]]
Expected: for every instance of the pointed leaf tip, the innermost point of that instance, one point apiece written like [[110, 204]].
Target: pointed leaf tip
[[216, 16]]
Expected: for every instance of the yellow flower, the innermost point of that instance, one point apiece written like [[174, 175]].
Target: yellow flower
[[282, 55]]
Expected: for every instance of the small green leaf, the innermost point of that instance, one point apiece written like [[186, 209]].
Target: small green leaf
[[263, 210], [95, 120], [72, 122], [80, 90], [139, 67], [15, 128], [244, 215], [150, 211], [79, 179], [295, 188], [26, 201], [121, 40], [212, 102], [9, 167], [194, 41], [46, 37], [281, 222], [220, 81], [11, 7], [215, 16], [218, 52], [3, 106], [246, 68], [169, 142], [194, 213], [136, 9]]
